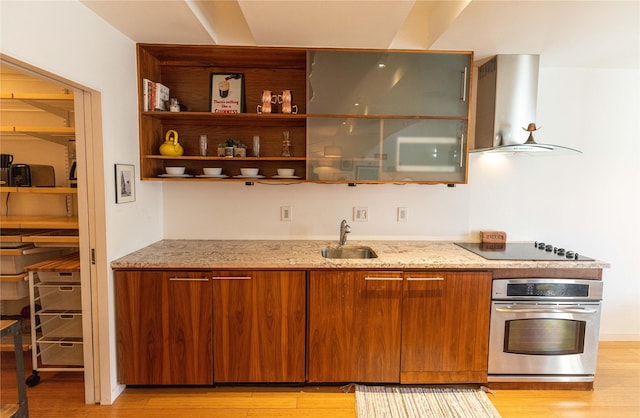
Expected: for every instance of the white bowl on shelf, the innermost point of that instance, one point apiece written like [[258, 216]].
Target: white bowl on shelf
[[212, 171], [286, 172], [175, 171], [249, 171]]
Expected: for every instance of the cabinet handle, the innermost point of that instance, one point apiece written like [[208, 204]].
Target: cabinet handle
[[188, 279], [231, 277], [384, 278], [560, 310], [425, 279], [461, 149], [463, 96]]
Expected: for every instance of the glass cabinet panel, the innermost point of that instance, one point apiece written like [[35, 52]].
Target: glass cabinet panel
[[386, 150], [388, 83]]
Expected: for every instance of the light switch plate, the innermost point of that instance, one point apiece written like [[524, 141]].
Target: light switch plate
[[285, 213], [402, 214], [360, 214]]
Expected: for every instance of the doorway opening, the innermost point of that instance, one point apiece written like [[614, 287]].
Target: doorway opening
[[48, 141]]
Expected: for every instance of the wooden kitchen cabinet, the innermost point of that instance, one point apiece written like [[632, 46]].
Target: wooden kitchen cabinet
[[163, 328], [354, 326], [186, 70], [388, 116], [445, 327], [259, 322], [363, 116], [416, 327], [325, 326]]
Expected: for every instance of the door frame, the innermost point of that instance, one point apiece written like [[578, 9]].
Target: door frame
[[91, 217]]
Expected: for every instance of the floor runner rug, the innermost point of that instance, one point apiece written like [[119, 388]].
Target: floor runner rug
[[413, 402]]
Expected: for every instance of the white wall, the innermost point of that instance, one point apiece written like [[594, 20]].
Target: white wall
[[67, 39], [587, 202]]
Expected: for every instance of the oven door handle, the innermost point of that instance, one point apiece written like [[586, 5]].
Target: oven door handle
[[537, 309]]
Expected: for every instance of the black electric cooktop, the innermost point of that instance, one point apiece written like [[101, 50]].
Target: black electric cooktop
[[531, 251]]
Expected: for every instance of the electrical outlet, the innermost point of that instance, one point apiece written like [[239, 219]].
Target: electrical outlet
[[402, 214], [361, 214], [285, 213]]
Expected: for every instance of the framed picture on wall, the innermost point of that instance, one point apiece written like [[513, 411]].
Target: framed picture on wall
[[125, 183], [227, 92]]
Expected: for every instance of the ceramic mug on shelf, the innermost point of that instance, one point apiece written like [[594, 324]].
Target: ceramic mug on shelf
[[289, 108], [265, 107], [285, 97], [268, 97]]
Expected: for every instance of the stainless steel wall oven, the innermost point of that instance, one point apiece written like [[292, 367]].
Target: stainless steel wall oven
[[544, 330]]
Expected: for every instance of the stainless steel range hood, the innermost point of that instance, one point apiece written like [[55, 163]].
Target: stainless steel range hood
[[506, 107]]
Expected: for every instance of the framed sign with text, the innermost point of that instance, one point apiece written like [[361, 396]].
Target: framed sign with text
[[227, 92]]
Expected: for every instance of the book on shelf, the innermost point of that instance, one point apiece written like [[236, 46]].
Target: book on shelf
[[155, 96]]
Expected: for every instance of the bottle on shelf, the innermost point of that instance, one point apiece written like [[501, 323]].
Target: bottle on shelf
[[203, 145], [256, 146], [286, 145]]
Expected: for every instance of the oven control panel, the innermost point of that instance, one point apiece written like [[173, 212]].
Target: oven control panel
[[541, 289]]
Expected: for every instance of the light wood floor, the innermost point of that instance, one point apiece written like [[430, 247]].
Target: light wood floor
[[616, 394]]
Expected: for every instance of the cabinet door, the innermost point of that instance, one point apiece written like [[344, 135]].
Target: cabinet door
[[386, 150], [445, 327], [375, 83], [163, 328], [259, 319], [354, 326]]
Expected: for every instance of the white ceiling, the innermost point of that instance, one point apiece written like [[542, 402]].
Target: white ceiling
[[565, 33]]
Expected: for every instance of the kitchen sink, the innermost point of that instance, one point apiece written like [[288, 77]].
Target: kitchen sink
[[348, 252]]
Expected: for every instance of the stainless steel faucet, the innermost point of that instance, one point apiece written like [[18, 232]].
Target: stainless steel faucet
[[344, 230]]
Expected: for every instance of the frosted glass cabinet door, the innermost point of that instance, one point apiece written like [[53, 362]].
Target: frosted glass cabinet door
[[388, 83], [386, 150]]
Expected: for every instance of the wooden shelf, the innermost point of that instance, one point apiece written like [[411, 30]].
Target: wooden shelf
[[377, 117], [39, 190], [44, 240], [228, 179], [186, 70], [277, 118], [6, 344], [58, 135], [58, 104], [226, 159], [229, 119], [34, 222], [64, 97]]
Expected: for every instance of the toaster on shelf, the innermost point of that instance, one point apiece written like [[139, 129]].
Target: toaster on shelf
[[32, 175]]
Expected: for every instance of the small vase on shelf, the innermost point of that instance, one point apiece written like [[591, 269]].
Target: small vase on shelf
[[286, 145]]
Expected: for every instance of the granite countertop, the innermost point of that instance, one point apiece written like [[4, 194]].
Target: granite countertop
[[305, 254]]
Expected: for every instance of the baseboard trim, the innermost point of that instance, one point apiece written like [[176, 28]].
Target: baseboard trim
[[619, 337]]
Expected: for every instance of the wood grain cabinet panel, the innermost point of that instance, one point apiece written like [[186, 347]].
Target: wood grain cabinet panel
[[259, 326], [445, 327], [163, 328], [354, 326]]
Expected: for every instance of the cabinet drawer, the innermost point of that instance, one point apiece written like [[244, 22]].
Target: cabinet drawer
[[61, 353], [60, 297], [59, 276], [58, 325]]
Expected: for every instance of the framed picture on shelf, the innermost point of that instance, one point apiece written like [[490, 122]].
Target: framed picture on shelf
[[125, 183], [227, 92]]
